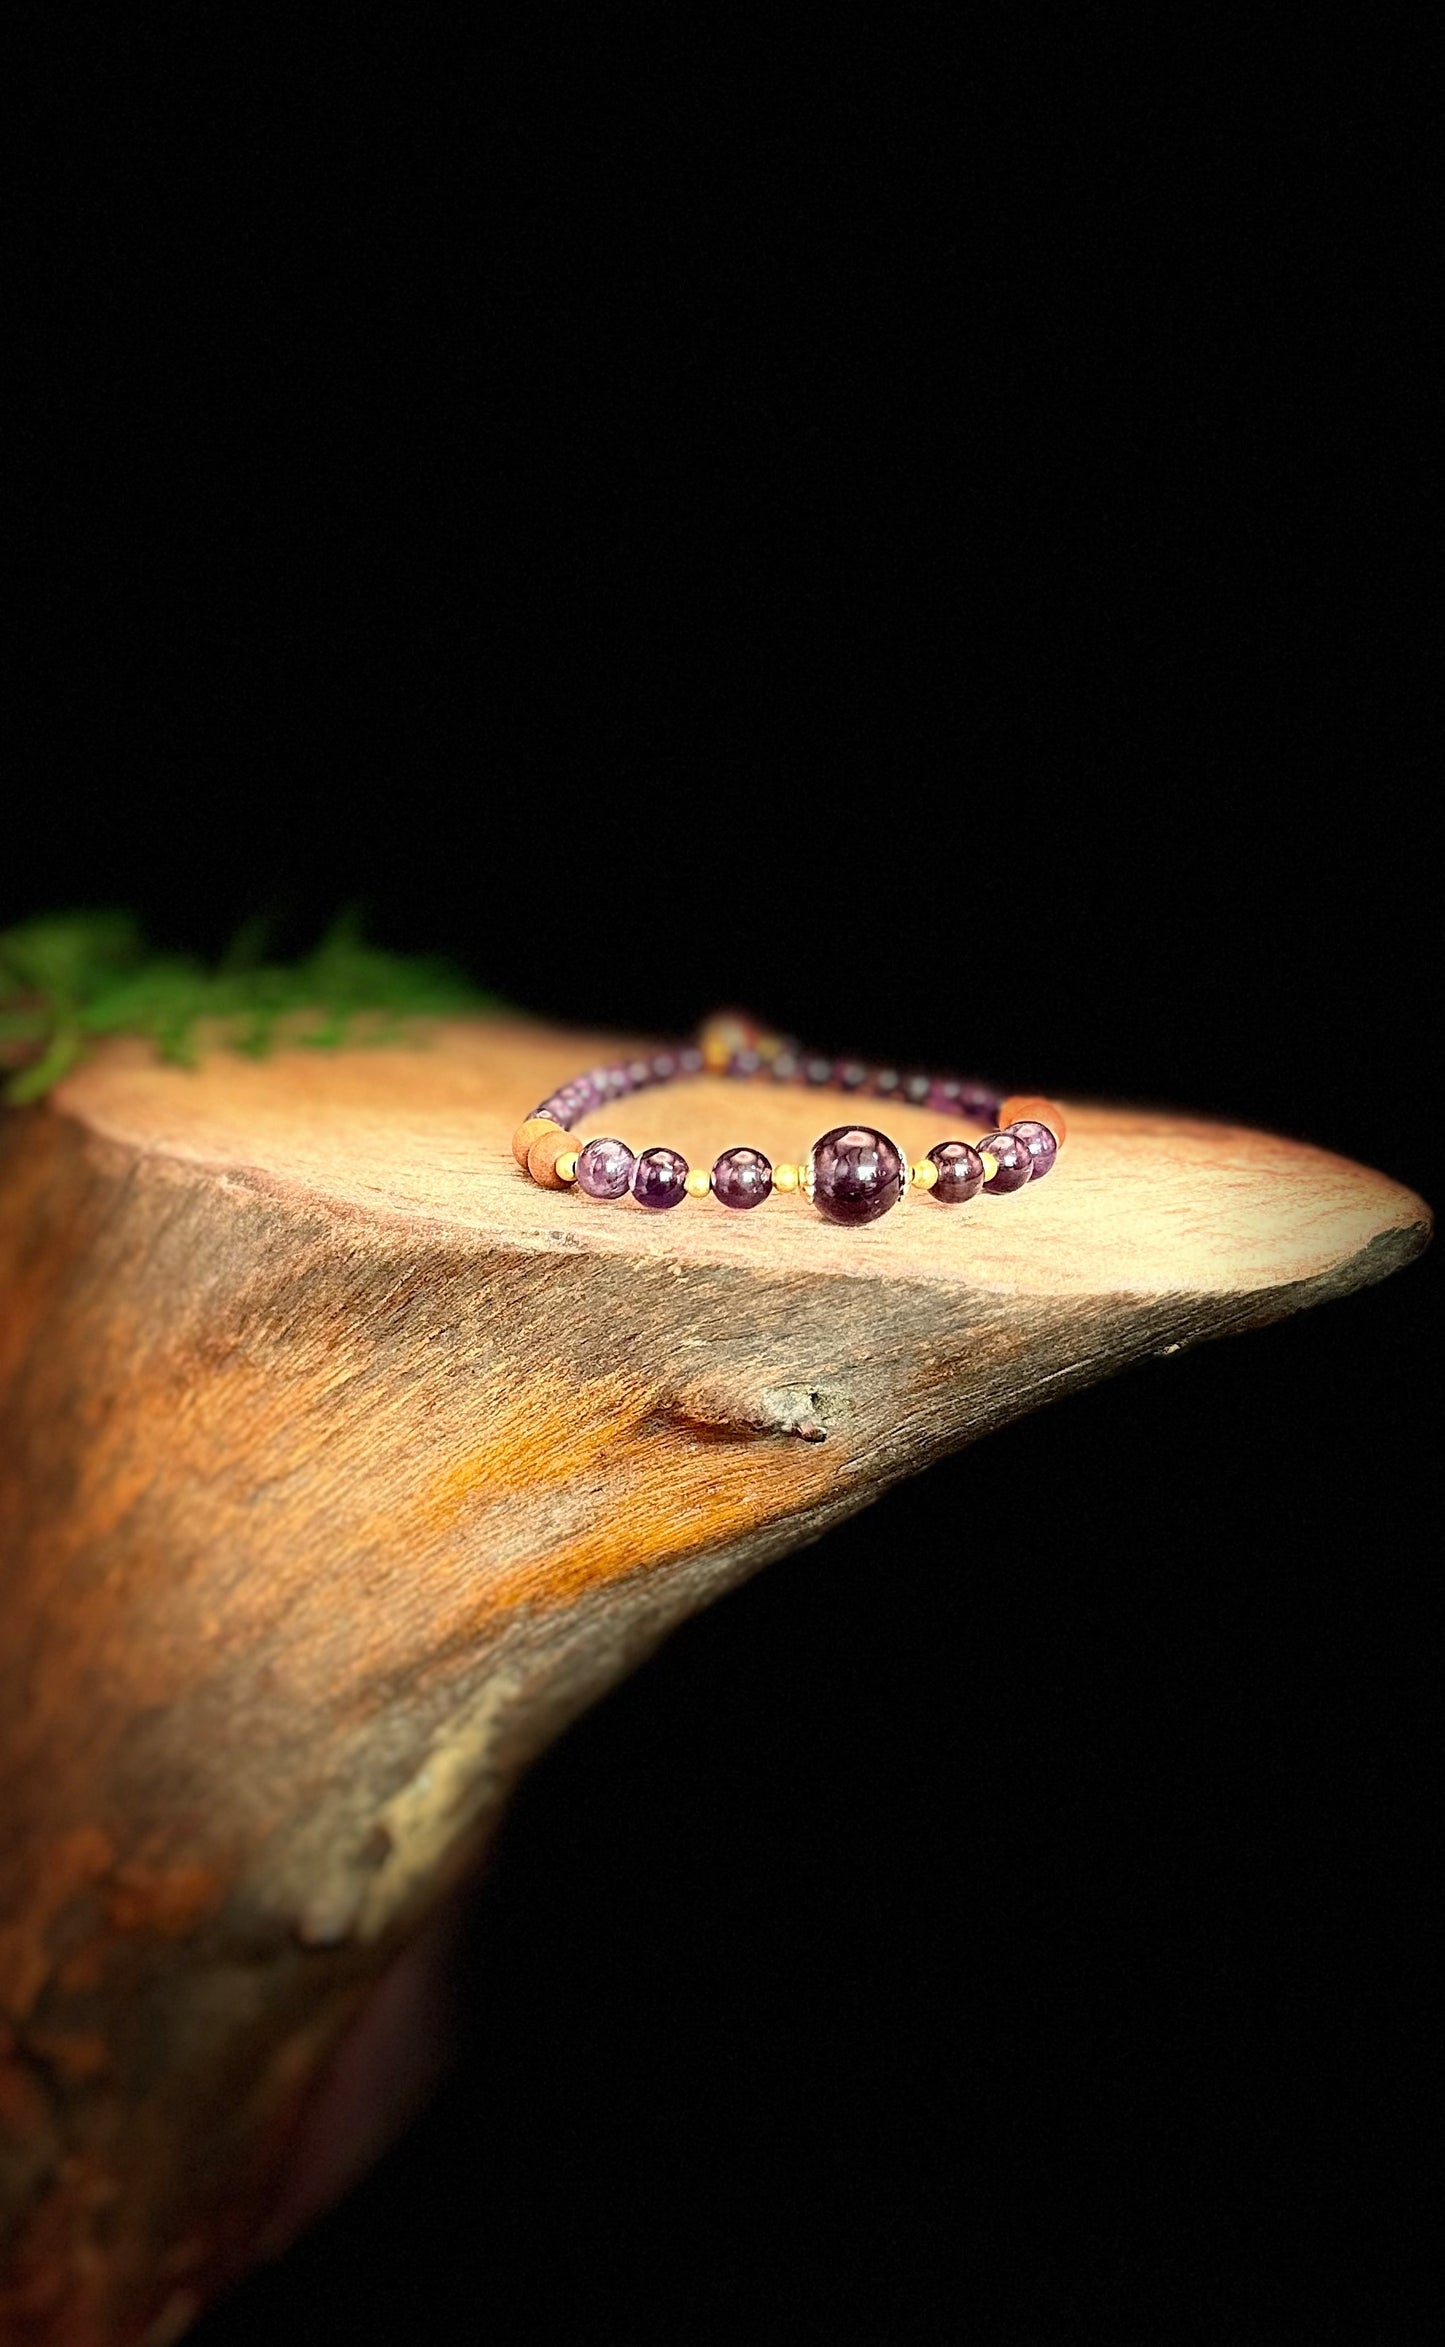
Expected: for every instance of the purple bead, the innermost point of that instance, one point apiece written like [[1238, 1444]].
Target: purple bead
[[659, 1178], [664, 1066], [1014, 1162], [639, 1072], [689, 1062], [916, 1088], [745, 1062], [885, 1083], [742, 1177], [855, 1174], [850, 1075], [817, 1070], [960, 1172], [944, 1095], [1043, 1147], [980, 1103], [604, 1169], [787, 1067]]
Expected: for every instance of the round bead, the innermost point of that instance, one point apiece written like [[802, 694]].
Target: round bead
[[916, 1088], [855, 1174], [1032, 1105], [1042, 1146], [566, 1165], [1012, 1162], [604, 1169], [742, 1177], [659, 1178], [960, 1172], [543, 1155], [698, 1183], [923, 1175], [720, 1037], [526, 1134], [785, 1177]]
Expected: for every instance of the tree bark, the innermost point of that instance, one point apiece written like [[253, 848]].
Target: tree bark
[[340, 1466]]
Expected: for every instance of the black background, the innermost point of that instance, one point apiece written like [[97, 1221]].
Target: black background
[[927, 544]]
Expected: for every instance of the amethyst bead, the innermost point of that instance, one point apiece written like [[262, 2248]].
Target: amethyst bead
[[1042, 1145], [604, 1169], [916, 1088], [1014, 1162], [960, 1172], [854, 1174], [742, 1177], [850, 1075], [659, 1178]]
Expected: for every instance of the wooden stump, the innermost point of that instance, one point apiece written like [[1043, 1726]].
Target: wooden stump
[[340, 1466]]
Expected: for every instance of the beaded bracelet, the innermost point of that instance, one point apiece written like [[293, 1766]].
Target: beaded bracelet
[[852, 1174]]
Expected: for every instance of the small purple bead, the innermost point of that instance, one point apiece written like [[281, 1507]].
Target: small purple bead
[[1014, 1162], [1043, 1147], [944, 1095], [916, 1088], [885, 1083], [659, 1178], [604, 1169], [787, 1067], [960, 1172], [745, 1062], [741, 1177], [980, 1103], [689, 1062], [817, 1070], [664, 1066], [856, 1174], [639, 1072], [850, 1075]]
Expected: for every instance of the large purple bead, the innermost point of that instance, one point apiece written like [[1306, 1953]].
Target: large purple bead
[[1014, 1162], [855, 1174], [741, 1177], [604, 1169], [659, 1178], [960, 1172], [1043, 1145]]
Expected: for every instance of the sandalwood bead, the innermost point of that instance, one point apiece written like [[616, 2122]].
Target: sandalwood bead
[[531, 1131], [543, 1155], [1032, 1104]]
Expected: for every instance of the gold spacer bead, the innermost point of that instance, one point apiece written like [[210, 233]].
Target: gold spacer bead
[[924, 1174], [698, 1183], [785, 1177], [567, 1164], [990, 1164]]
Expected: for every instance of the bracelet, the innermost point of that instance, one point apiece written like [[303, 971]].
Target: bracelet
[[852, 1174]]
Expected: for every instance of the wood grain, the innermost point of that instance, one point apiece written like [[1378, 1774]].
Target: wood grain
[[340, 1466]]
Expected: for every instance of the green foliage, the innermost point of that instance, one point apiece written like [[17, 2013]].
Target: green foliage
[[69, 977]]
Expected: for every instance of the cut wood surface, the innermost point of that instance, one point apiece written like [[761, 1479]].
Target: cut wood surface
[[340, 1466]]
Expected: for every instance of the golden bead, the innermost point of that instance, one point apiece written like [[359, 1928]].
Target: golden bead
[[1032, 1104], [531, 1131], [698, 1183], [785, 1177], [566, 1164], [924, 1174], [990, 1164], [722, 1035], [545, 1152]]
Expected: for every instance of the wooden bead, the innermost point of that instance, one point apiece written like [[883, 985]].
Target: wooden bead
[[543, 1155], [699, 1182], [531, 1131], [924, 1174], [1033, 1104]]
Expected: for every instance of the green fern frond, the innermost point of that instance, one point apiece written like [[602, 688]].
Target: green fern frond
[[70, 977]]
